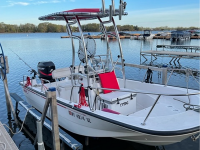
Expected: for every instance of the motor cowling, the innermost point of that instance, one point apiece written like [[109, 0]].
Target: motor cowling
[[45, 70]]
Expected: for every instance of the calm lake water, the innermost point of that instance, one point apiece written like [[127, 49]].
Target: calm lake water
[[36, 47]]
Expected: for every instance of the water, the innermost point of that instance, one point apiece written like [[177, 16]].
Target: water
[[36, 47]]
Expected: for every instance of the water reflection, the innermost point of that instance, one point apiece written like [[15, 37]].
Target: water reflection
[[30, 130], [12, 126], [181, 42]]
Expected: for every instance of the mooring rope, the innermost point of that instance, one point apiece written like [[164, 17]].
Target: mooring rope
[[22, 123]]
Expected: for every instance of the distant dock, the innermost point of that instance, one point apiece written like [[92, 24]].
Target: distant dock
[[6, 142], [190, 52], [128, 37], [100, 37], [171, 54]]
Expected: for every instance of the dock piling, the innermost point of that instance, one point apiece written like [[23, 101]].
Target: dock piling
[[9, 104], [64, 136], [54, 117], [5, 82], [52, 101], [86, 141], [39, 136]]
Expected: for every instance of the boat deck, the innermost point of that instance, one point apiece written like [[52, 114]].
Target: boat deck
[[6, 142]]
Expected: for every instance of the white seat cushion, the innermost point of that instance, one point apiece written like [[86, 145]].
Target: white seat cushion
[[112, 96], [65, 84], [60, 73]]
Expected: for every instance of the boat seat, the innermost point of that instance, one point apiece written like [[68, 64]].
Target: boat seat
[[113, 96], [61, 73], [108, 80], [64, 84], [65, 72]]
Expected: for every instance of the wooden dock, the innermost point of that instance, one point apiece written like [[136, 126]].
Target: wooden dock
[[128, 37], [6, 142], [168, 37], [100, 37], [186, 47], [175, 55], [172, 54]]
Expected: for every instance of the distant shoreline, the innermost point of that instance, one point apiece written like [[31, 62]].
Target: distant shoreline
[[47, 27]]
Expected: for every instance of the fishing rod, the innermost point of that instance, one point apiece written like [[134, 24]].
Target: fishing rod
[[32, 70]]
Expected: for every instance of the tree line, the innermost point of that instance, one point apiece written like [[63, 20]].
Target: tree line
[[92, 27]]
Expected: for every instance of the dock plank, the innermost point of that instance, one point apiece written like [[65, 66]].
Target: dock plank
[[6, 142]]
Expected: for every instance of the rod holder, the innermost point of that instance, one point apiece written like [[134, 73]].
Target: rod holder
[[113, 7], [103, 6], [110, 12], [120, 12]]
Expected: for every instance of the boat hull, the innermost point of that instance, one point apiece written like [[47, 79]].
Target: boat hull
[[88, 124]]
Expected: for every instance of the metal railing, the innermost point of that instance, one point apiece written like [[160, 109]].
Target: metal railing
[[43, 87]]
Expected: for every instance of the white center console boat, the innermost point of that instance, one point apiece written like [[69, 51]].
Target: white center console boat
[[92, 101]]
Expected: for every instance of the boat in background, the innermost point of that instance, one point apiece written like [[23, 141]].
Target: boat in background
[[180, 35], [194, 32], [93, 102], [136, 37], [163, 33], [146, 36]]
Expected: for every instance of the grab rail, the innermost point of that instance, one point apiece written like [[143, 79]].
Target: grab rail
[[151, 109], [159, 95], [140, 92], [25, 80], [43, 86]]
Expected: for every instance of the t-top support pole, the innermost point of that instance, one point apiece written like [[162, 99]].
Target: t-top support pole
[[121, 53]]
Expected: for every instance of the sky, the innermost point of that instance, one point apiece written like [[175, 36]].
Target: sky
[[145, 13]]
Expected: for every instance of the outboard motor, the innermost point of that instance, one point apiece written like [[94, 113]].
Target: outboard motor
[[45, 70]]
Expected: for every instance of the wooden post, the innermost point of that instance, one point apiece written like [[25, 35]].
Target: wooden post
[[51, 99], [46, 106], [54, 117], [8, 99]]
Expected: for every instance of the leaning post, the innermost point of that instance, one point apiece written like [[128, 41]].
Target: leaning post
[[51, 93]]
